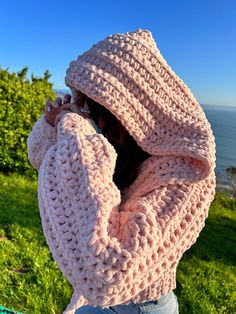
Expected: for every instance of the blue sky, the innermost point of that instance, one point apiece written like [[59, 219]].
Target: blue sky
[[197, 38]]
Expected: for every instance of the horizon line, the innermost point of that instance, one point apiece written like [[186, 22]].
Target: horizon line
[[202, 104]]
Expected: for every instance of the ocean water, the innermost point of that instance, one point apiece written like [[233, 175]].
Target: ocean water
[[223, 123]]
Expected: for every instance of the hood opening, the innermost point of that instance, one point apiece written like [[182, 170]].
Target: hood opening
[[130, 155]]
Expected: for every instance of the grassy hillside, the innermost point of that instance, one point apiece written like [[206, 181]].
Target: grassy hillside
[[32, 283]]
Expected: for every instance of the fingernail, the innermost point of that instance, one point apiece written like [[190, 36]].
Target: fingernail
[[66, 98], [48, 108], [58, 102]]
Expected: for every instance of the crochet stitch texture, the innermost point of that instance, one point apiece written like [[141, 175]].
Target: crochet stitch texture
[[117, 247]]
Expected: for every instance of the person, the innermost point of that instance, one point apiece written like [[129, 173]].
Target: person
[[126, 176]]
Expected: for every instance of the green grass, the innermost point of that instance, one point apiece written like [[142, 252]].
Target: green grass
[[206, 275], [31, 282]]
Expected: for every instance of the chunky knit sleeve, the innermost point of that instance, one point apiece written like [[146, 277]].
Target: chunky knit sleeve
[[41, 137], [110, 255]]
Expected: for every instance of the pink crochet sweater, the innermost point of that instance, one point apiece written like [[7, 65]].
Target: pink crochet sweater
[[117, 247], [112, 256]]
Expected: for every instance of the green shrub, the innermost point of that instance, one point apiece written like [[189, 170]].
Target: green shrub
[[22, 102]]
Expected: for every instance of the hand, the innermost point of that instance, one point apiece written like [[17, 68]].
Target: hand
[[51, 112]]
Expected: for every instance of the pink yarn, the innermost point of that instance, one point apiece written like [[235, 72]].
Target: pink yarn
[[117, 247]]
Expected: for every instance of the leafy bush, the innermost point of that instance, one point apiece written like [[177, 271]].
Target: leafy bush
[[22, 102]]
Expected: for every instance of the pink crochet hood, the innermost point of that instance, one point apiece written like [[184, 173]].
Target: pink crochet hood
[[127, 74], [113, 248]]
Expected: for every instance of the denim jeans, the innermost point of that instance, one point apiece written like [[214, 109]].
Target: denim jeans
[[167, 304]]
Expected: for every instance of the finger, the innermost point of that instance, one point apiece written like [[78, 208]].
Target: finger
[[66, 98], [65, 106], [58, 102], [48, 105], [75, 108], [81, 110]]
